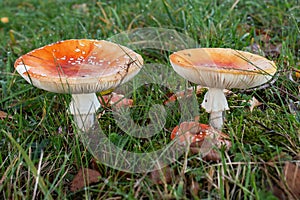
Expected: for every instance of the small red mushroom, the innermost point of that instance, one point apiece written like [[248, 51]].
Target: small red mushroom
[[193, 134], [118, 100], [190, 132]]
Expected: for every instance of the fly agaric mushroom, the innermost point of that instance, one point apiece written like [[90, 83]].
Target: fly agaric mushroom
[[193, 135], [80, 67], [118, 100], [219, 69], [190, 132]]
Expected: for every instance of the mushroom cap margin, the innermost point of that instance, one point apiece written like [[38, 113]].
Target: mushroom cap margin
[[222, 67], [79, 66]]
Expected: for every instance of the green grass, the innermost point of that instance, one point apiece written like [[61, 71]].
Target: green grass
[[39, 140]]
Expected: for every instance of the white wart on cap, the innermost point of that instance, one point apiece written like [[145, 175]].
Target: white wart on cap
[[219, 68], [80, 67]]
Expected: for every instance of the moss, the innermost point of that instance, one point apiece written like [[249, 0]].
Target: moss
[[263, 130]]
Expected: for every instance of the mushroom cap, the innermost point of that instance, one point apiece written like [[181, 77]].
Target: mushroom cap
[[222, 68], [194, 133], [79, 66], [190, 132]]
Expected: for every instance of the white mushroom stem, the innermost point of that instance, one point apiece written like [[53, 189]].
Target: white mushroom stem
[[215, 103], [216, 120], [83, 107]]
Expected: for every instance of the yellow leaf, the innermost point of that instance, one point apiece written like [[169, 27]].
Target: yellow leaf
[[4, 20], [254, 103], [297, 74]]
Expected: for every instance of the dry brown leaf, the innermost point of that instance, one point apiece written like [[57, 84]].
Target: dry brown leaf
[[262, 43], [83, 178], [229, 92], [162, 175], [255, 48], [292, 178], [83, 8], [279, 193], [254, 103], [3, 115], [272, 50], [288, 188], [212, 155], [94, 164], [194, 188], [185, 93]]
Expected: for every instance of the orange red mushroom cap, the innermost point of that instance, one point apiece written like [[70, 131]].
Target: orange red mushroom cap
[[190, 132]]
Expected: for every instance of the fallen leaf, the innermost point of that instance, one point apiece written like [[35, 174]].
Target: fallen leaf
[[243, 30], [255, 48], [292, 178], [272, 50], [264, 35], [4, 115], [162, 175], [269, 49], [254, 103], [4, 20], [94, 164], [83, 178], [185, 93], [83, 8], [279, 193], [194, 188], [287, 186], [229, 92]]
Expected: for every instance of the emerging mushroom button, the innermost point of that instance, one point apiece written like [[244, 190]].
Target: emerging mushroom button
[[80, 67], [200, 138], [219, 69]]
